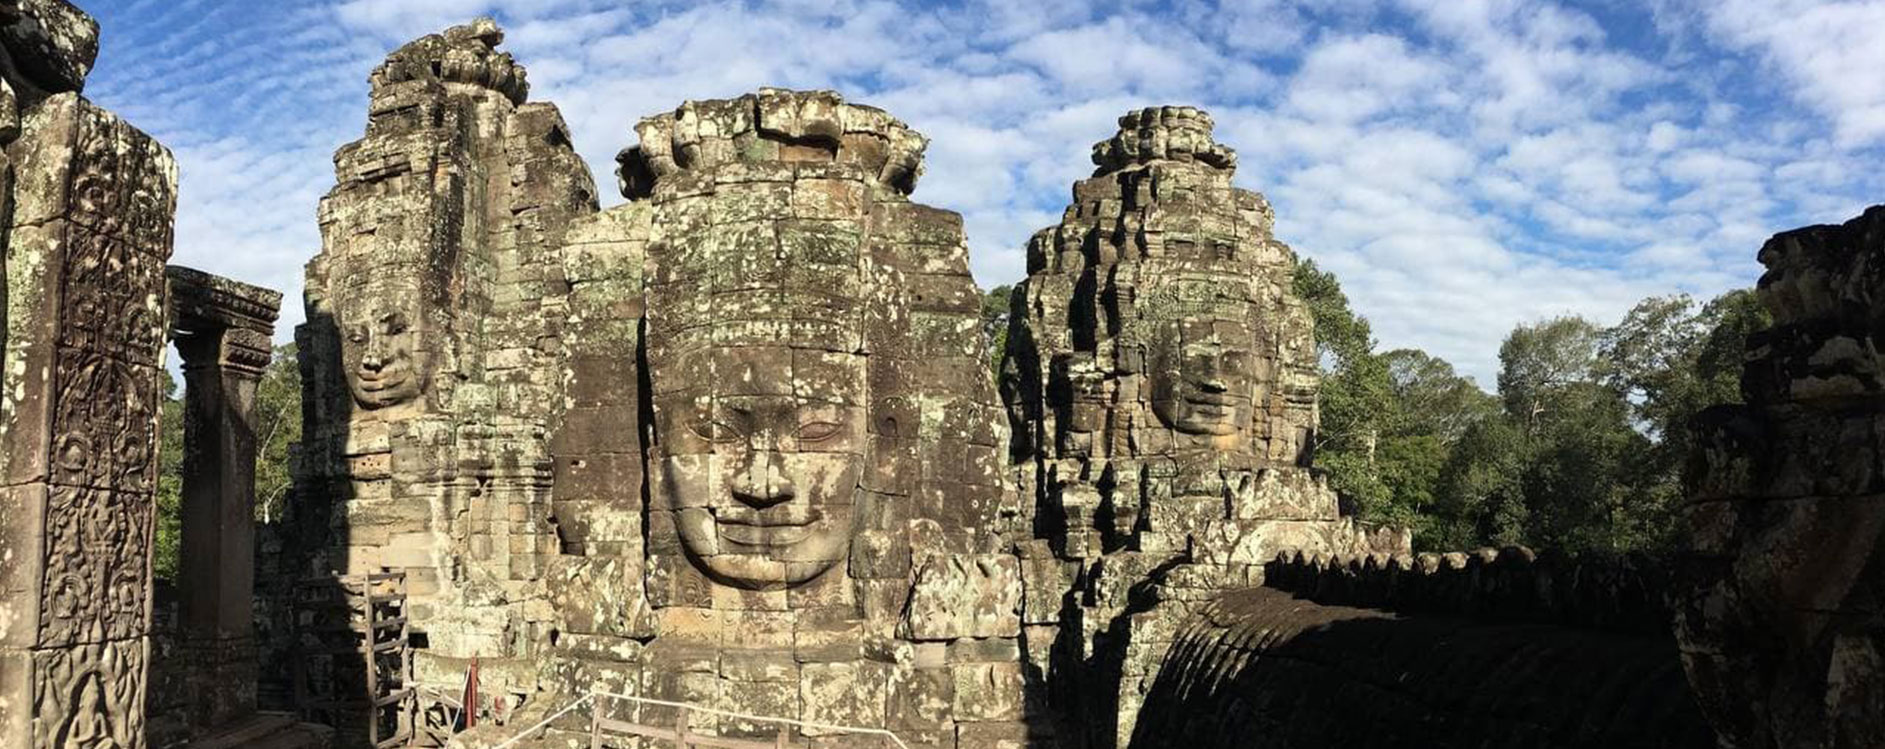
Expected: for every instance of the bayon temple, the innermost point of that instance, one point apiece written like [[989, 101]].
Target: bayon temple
[[725, 465]]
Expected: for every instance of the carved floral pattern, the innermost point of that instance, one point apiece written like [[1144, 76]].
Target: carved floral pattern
[[96, 567]]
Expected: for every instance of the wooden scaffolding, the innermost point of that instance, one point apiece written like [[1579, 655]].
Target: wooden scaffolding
[[354, 670]]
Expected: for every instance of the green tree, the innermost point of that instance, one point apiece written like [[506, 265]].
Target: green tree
[[1433, 399], [1432, 408], [1671, 359], [169, 500], [1480, 497], [1580, 449], [995, 310], [1356, 396], [277, 430], [1541, 364]]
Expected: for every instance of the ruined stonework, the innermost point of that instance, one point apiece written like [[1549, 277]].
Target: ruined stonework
[[820, 440], [432, 352], [89, 202], [1161, 381], [731, 443], [1779, 611]]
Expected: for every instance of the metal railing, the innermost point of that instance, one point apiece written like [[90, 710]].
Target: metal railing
[[679, 733]]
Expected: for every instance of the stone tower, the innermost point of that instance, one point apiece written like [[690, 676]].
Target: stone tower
[[820, 440], [432, 352], [1161, 382]]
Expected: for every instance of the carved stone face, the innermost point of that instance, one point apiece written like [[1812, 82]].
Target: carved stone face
[[761, 461], [1202, 377], [382, 350]]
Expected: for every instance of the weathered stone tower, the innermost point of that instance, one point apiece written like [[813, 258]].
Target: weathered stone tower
[[432, 351], [1161, 381]]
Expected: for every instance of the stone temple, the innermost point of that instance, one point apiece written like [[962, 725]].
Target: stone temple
[[725, 464]]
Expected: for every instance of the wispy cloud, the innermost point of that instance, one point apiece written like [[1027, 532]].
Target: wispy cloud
[[1463, 165]]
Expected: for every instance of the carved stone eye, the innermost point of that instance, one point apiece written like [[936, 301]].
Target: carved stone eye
[[713, 431], [818, 431]]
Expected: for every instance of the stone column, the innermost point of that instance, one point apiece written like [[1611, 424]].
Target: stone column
[[90, 230], [221, 369], [221, 329]]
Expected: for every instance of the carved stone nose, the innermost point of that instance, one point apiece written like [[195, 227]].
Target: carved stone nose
[[762, 484], [1213, 385], [372, 361]]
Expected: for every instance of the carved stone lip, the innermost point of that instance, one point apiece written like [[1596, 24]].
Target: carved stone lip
[[783, 516], [764, 536], [382, 381]]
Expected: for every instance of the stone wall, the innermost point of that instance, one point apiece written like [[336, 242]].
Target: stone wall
[[1779, 596], [1513, 584], [1259, 668], [89, 202]]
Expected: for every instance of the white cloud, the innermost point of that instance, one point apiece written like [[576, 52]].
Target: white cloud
[[1462, 165], [1828, 53]]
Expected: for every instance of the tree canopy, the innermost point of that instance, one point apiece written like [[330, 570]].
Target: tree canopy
[[1579, 449]]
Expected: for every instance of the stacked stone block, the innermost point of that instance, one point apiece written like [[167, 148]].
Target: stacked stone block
[[823, 451], [1779, 600]]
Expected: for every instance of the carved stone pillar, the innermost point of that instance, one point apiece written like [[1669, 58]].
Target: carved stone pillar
[[85, 250], [222, 331]]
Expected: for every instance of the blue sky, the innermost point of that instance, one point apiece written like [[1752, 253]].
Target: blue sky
[[1462, 165]]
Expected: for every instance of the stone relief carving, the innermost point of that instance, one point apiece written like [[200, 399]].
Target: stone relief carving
[[95, 572], [1161, 379], [1202, 370], [760, 461], [90, 696], [385, 342], [90, 201], [757, 313]]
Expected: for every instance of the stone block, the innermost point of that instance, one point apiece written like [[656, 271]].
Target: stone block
[[988, 691], [843, 694], [920, 698], [966, 596], [993, 735]]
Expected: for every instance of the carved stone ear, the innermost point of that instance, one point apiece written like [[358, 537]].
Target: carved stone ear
[[894, 417]]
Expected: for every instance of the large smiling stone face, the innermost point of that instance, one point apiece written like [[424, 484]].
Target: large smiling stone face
[[758, 453], [382, 349], [1202, 376]]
